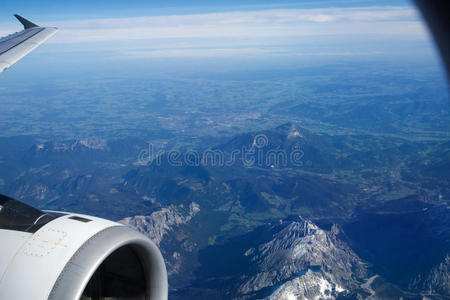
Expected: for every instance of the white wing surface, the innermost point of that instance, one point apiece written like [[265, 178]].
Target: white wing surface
[[15, 46]]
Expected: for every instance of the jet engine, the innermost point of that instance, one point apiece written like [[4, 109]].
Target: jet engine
[[58, 255]]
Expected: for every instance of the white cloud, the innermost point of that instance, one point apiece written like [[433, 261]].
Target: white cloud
[[248, 24], [230, 52], [246, 33], [196, 52]]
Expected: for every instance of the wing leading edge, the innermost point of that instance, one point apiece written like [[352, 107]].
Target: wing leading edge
[[15, 46]]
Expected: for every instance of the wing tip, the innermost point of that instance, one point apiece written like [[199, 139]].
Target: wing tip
[[26, 23]]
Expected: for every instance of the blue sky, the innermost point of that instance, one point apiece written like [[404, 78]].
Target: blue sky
[[123, 32], [55, 10]]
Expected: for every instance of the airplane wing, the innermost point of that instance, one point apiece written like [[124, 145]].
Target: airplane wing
[[60, 255], [15, 46]]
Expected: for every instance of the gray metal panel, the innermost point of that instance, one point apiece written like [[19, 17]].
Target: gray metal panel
[[15, 215], [11, 41], [15, 46]]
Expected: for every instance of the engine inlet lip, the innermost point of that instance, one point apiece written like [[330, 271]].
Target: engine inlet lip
[[87, 259]]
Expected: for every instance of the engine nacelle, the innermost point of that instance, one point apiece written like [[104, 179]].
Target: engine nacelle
[[52, 255]]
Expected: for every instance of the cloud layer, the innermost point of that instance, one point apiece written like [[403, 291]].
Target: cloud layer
[[401, 21], [262, 32]]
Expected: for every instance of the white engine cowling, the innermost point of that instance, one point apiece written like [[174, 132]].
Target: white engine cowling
[[51, 255]]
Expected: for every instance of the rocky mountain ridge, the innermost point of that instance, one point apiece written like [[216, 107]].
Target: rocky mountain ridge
[[308, 261], [161, 222]]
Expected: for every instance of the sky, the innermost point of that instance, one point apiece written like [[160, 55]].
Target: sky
[[55, 10], [127, 32]]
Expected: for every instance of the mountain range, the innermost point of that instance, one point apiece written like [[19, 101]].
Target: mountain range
[[300, 215]]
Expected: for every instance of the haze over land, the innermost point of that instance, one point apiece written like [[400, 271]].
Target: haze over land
[[341, 109]]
